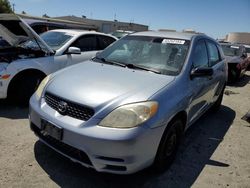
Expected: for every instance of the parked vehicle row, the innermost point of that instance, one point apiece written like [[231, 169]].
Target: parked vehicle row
[[124, 108], [26, 58]]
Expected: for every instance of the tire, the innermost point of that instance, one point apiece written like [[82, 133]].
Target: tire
[[23, 89], [217, 104], [168, 147]]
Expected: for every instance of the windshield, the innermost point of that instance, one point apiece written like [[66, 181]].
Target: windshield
[[231, 50], [52, 38], [164, 55]]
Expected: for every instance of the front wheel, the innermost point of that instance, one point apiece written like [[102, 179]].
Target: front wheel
[[168, 146]]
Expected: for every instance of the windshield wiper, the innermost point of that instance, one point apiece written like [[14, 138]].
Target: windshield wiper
[[133, 66], [130, 66], [103, 60]]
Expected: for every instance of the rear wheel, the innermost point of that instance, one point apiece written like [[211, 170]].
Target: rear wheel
[[168, 146]]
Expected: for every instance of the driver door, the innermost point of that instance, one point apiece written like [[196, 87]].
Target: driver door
[[199, 86]]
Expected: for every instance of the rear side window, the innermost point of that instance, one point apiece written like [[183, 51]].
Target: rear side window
[[104, 42], [86, 43], [213, 53], [200, 57]]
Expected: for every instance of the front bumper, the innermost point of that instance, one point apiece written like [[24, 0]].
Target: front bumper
[[119, 151]]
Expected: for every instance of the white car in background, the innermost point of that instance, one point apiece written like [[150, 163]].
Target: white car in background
[[26, 58]]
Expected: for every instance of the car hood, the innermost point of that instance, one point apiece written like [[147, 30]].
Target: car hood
[[97, 85], [15, 31]]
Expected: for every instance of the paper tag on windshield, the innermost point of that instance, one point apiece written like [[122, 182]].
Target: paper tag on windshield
[[172, 41], [236, 47]]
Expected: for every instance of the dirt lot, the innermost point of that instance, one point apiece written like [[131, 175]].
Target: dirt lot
[[215, 153]]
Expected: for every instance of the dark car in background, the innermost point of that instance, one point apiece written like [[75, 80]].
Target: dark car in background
[[235, 56]]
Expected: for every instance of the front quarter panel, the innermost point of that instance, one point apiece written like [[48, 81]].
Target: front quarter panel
[[43, 64]]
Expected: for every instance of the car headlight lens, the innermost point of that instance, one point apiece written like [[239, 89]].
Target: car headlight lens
[[131, 115], [40, 88]]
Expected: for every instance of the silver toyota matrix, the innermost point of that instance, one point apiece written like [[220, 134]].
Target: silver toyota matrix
[[128, 108]]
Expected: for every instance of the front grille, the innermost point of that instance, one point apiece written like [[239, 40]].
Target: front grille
[[62, 147], [73, 109]]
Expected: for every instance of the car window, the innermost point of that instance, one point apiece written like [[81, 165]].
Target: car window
[[200, 58], [104, 41], [213, 53], [86, 43]]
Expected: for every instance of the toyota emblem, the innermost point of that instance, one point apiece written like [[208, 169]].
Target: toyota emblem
[[62, 107]]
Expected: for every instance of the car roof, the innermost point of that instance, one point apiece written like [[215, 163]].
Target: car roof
[[77, 32], [168, 34]]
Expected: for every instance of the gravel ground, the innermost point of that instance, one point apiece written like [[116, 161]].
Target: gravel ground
[[215, 153]]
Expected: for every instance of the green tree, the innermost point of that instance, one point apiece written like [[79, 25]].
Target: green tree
[[5, 6]]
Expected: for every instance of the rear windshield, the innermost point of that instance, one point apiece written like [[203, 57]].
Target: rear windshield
[[231, 50]]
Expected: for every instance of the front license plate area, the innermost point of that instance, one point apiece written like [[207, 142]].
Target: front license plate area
[[49, 129]]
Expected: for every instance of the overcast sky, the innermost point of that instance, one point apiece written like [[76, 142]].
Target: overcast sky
[[213, 17]]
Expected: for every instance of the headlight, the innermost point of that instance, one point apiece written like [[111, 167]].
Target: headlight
[[40, 88], [130, 115]]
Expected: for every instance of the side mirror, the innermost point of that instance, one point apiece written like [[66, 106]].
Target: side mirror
[[201, 72], [73, 50]]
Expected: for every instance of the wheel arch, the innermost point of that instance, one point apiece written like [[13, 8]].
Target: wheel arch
[[160, 164], [181, 115], [21, 74]]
